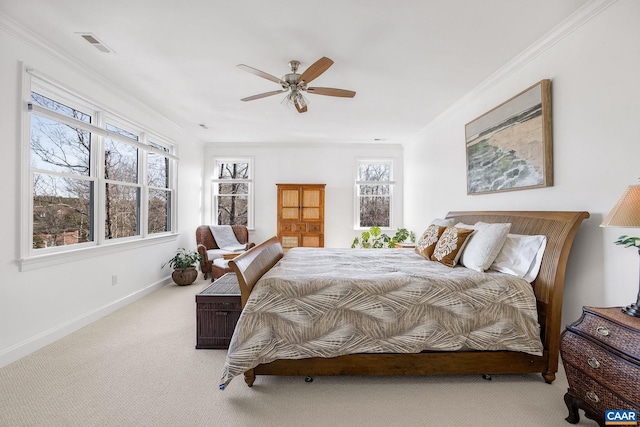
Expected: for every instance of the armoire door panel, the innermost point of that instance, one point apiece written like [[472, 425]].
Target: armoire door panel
[[310, 214], [311, 240], [290, 198], [289, 241], [311, 198], [290, 213]]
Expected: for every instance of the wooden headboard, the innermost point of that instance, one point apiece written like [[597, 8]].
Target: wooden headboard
[[560, 227]]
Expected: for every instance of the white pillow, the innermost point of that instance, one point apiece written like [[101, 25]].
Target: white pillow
[[521, 256], [483, 245]]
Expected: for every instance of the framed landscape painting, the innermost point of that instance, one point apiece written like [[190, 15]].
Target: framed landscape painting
[[510, 147]]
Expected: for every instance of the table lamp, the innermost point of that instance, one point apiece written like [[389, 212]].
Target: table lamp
[[626, 213]]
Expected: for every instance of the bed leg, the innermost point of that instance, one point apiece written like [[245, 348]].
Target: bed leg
[[486, 377], [308, 379], [250, 377], [549, 377]]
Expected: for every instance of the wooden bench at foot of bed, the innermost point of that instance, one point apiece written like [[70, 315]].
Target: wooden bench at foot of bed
[[560, 228]]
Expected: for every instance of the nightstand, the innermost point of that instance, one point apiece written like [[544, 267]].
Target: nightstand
[[218, 309], [601, 357]]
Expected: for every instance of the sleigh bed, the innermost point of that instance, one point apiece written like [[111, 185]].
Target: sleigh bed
[[260, 270]]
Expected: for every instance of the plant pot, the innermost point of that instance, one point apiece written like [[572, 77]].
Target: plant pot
[[184, 276]]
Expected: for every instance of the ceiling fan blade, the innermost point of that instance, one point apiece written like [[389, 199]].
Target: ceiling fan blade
[[329, 91], [263, 95], [315, 69], [259, 73], [301, 109]]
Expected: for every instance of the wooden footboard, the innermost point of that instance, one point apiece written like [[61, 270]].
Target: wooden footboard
[[560, 229], [252, 264]]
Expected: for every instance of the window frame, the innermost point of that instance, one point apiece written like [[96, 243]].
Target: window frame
[[217, 160], [31, 258], [357, 196]]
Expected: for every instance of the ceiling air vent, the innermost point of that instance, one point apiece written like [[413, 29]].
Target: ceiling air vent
[[91, 38]]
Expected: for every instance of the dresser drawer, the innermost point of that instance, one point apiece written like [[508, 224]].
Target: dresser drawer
[[595, 395], [616, 336], [604, 367]]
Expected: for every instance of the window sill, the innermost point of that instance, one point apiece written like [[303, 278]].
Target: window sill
[[47, 260]]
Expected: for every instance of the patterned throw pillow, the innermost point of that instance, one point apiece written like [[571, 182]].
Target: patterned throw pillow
[[449, 246], [427, 243]]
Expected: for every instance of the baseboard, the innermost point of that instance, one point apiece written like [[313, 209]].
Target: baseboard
[[45, 338]]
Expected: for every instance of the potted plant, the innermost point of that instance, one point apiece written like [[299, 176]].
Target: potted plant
[[184, 271], [375, 238]]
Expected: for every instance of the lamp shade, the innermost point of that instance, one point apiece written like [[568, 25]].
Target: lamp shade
[[626, 213]]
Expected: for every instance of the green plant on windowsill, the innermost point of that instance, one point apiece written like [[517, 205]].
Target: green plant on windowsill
[[375, 238]]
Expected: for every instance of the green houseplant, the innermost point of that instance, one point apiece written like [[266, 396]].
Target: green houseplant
[[375, 238], [184, 271]]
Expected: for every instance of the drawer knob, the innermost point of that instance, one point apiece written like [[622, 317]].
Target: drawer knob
[[593, 362], [592, 396], [222, 313], [603, 331]]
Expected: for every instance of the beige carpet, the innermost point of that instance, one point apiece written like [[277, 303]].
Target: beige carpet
[[139, 367]]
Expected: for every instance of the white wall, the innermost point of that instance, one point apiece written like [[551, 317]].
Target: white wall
[[41, 305], [330, 164], [595, 93]]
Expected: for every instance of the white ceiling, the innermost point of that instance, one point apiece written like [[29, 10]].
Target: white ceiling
[[408, 60]]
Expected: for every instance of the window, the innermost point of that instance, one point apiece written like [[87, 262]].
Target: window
[[374, 193], [93, 176], [61, 178], [232, 192], [122, 189], [159, 200]]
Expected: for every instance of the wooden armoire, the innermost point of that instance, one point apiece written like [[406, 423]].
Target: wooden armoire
[[301, 215]]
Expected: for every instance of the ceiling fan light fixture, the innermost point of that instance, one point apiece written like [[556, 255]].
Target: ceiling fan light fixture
[[295, 99]]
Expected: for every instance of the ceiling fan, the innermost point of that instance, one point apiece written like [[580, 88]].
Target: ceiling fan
[[296, 84]]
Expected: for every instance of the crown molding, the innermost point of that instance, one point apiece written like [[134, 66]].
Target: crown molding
[[576, 20], [67, 60]]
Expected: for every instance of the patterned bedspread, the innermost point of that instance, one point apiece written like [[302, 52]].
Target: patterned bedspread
[[331, 302]]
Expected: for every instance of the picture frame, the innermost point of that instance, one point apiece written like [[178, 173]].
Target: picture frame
[[510, 147]]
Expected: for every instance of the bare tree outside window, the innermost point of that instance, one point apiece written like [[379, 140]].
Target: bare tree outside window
[[122, 202], [159, 211], [157, 170], [61, 211], [65, 186], [62, 198], [374, 194], [232, 193], [159, 197]]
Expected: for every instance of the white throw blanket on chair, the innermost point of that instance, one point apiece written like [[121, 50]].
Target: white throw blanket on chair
[[226, 239]]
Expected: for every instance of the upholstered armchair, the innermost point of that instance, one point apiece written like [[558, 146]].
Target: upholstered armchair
[[213, 258]]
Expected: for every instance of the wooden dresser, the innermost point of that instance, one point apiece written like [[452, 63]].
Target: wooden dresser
[[601, 357], [301, 215], [218, 309]]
